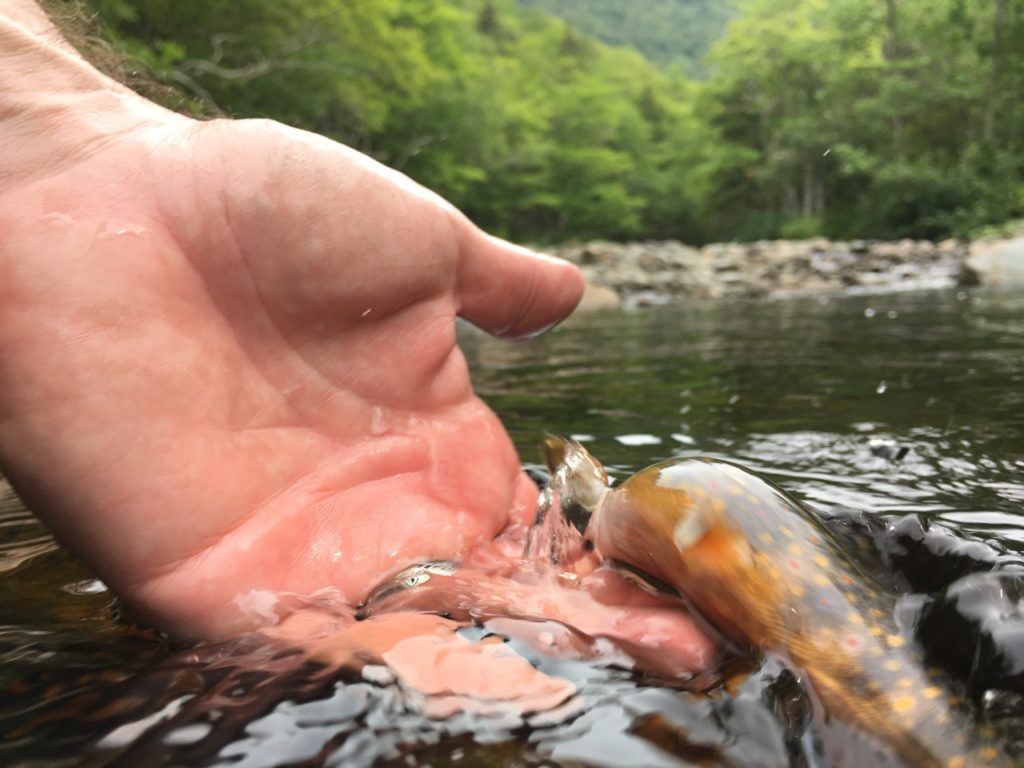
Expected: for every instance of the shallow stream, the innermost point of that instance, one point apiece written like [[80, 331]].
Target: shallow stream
[[893, 406]]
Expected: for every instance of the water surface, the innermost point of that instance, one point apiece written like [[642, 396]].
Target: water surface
[[894, 405]]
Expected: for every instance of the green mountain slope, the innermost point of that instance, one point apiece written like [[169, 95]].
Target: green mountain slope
[[667, 32], [831, 117]]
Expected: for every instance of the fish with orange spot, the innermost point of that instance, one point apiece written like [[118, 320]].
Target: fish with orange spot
[[765, 573]]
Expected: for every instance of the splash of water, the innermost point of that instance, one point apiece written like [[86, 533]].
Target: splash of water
[[552, 539]]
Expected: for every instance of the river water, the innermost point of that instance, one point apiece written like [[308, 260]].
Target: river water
[[899, 407]]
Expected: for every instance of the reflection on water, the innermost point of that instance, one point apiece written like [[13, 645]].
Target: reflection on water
[[807, 392], [900, 406]]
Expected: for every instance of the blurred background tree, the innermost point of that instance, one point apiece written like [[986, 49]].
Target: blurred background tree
[[701, 120]]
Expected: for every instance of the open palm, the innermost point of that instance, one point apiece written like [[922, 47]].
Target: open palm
[[228, 364]]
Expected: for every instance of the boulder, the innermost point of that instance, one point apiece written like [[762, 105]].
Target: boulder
[[651, 271], [997, 262], [598, 297]]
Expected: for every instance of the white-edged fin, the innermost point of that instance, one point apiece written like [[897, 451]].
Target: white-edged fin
[[584, 477]]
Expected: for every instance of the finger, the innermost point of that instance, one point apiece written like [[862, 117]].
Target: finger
[[511, 291]]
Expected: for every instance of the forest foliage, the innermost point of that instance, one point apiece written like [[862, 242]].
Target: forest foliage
[[848, 118], [674, 34]]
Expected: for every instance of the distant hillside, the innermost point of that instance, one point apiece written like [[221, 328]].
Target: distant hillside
[[667, 32]]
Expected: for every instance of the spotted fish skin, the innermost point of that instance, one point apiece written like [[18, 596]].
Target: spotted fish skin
[[763, 571]]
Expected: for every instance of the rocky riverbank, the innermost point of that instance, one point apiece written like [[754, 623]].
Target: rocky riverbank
[[655, 272]]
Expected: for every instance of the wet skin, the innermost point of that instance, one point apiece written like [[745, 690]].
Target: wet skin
[[761, 570], [228, 363], [229, 377]]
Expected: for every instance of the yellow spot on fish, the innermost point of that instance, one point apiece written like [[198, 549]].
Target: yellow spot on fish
[[717, 505], [877, 613], [855, 618], [795, 549], [892, 665], [942, 718], [797, 589], [876, 631], [821, 560], [903, 703], [895, 641], [932, 692], [905, 682], [786, 532], [988, 753], [956, 762], [766, 538], [820, 579]]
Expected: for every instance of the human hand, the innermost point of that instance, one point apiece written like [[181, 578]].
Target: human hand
[[228, 363], [228, 370]]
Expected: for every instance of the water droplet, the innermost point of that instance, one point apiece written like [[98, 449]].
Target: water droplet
[[120, 229], [869, 312], [378, 424], [882, 386]]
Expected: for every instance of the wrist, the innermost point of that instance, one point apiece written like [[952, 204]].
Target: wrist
[[54, 106]]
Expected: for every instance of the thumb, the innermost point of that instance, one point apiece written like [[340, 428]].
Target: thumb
[[509, 290]]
